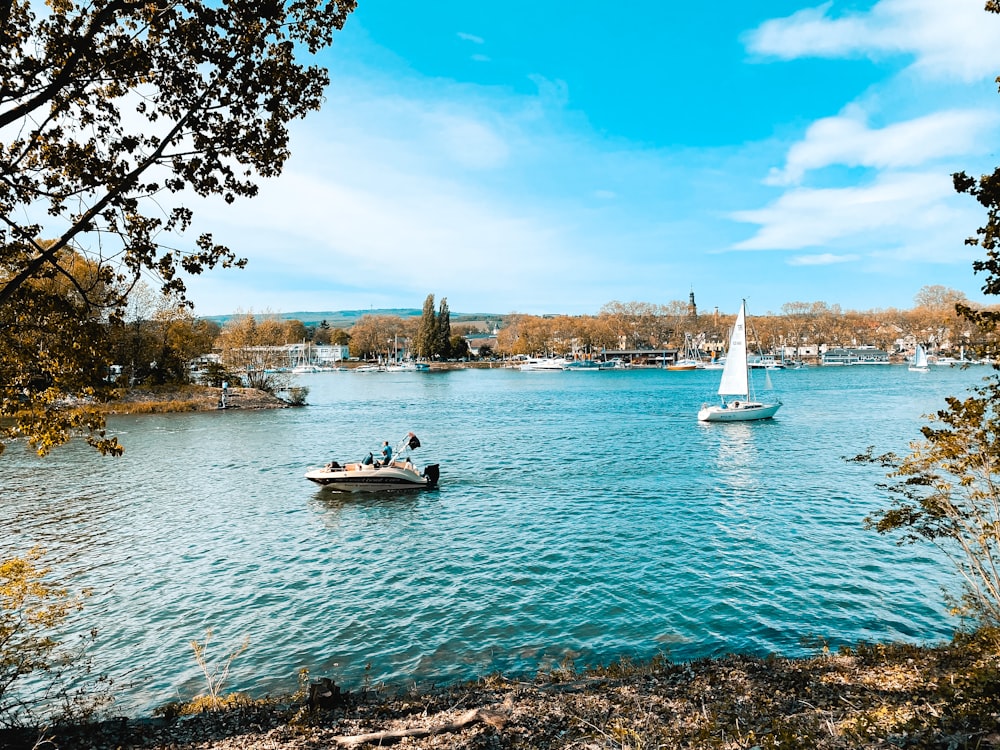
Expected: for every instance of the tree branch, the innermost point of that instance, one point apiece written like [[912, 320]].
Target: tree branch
[[492, 717]]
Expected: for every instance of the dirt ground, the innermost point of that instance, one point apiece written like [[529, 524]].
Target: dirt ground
[[872, 696]]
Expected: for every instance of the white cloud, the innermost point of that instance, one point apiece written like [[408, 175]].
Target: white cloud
[[466, 140], [848, 140], [894, 207], [952, 39], [410, 195], [823, 259], [471, 38]]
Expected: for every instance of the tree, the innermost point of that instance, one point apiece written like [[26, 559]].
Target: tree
[[157, 338], [54, 344], [321, 333], [459, 347], [442, 340], [295, 331], [253, 349], [111, 111], [425, 342], [374, 335]]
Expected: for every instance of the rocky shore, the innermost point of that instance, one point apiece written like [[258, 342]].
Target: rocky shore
[[191, 398], [873, 696]]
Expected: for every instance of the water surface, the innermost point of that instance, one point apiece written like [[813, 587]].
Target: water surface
[[580, 515]]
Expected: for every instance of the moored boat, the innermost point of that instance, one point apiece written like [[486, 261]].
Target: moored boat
[[919, 363], [544, 364]]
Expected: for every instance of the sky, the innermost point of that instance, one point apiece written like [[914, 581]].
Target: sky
[[551, 157]]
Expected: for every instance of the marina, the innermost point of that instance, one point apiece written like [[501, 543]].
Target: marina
[[579, 518]]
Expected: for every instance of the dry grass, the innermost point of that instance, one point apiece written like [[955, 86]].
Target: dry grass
[[869, 697], [189, 398]]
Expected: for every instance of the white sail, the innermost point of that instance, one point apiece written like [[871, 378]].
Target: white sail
[[920, 357], [735, 379]]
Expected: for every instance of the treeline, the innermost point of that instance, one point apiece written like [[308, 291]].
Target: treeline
[[156, 340]]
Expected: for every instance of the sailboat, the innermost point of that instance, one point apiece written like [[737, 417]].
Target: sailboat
[[736, 382], [692, 357], [919, 363]]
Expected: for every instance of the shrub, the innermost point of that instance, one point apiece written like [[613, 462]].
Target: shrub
[[31, 610], [946, 492]]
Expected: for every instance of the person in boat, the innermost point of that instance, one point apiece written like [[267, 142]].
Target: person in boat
[[386, 453], [368, 460]]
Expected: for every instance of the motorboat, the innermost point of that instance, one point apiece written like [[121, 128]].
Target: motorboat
[[370, 475], [686, 364], [593, 365], [736, 382], [544, 364]]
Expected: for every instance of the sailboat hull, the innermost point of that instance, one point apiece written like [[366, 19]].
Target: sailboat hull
[[738, 412]]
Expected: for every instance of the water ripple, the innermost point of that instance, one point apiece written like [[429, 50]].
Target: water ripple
[[578, 517]]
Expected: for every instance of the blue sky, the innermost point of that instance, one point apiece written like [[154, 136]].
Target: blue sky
[[551, 157]]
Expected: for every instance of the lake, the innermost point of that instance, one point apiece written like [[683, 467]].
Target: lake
[[579, 516]]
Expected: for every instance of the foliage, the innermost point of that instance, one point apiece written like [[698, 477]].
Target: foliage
[[157, 338], [373, 336], [31, 610], [433, 337], [340, 337], [253, 350], [217, 674], [297, 396], [458, 347], [216, 374], [53, 344], [442, 337], [426, 339], [111, 111], [946, 492]]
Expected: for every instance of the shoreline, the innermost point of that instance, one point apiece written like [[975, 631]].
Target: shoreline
[[188, 398], [871, 696]]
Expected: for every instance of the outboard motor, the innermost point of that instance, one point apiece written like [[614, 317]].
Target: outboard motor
[[432, 472]]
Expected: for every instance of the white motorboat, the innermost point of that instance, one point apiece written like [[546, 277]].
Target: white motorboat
[[544, 364], [736, 382], [593, 365], [369, 475]]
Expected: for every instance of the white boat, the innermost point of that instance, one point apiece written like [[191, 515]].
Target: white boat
[[919, 363], [369, 475], [539, 364], [716, 364], [691, 359], [736, 382], [686, 364], [593, 365], [405, 366]]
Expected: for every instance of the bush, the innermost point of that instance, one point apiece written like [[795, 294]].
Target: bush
[[31, 610], [946, 493], [297, 396]]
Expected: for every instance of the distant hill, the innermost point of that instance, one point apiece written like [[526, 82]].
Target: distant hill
[[347, 318]]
